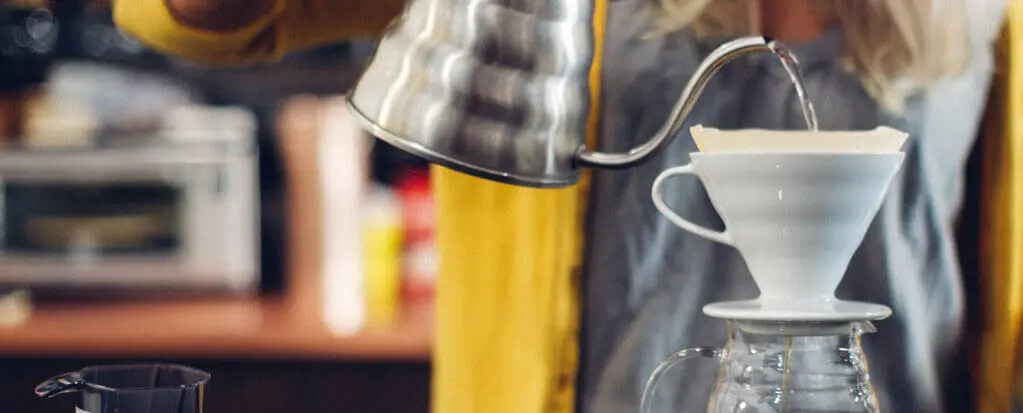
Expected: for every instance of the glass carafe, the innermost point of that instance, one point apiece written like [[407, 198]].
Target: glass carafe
[[136, 388], [772, 366]]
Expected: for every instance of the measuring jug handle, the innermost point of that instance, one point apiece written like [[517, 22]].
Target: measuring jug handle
[[669, 362], [683, 106], [60, 384], [723, 237]]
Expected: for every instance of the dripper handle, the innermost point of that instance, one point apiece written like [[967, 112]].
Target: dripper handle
[[723, 237], [685, 103], [669, 362], [60, 384]]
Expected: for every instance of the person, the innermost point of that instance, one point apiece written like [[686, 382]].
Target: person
[[921, 66]]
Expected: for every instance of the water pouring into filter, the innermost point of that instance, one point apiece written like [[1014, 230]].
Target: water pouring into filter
[[796, 204]]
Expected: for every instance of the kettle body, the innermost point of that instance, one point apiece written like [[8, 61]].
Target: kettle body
[[500, 89]]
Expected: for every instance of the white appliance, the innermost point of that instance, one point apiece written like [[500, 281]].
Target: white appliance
[[175, 210]]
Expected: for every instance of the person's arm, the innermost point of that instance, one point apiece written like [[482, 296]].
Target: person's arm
[[234, 32], [219, 15]]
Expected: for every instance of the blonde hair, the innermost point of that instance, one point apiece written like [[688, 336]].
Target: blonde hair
[[895, 47]]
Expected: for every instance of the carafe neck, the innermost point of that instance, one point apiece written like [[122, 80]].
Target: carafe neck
[[790, 339]]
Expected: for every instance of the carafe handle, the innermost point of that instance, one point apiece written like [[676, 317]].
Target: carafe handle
[[685, 103], [723, 237], [669, 362], [60, 384]]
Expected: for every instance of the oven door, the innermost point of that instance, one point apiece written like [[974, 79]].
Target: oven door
[[107, 221]]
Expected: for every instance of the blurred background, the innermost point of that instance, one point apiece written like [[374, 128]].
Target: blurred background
[[235, 220]]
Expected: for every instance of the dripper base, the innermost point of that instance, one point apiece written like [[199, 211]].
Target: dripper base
[[814, 310]]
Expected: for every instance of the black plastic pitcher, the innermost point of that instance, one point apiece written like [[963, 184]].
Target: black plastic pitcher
[[137, 388]]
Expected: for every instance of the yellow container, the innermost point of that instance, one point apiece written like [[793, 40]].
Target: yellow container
[[383, 235]]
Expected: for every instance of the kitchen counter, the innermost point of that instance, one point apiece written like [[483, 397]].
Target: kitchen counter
[[265, 328]]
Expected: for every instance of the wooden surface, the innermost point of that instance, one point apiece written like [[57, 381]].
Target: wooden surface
[[290, 326], [265, 328]]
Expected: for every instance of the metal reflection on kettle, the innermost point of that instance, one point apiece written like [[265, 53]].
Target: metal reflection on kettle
[[500, 90]]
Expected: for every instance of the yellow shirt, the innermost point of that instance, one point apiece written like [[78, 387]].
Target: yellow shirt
[[291, 25], [507, 299], [999, 367]]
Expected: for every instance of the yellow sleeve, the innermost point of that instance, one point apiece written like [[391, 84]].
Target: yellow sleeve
[[999, 381], [291, 25]]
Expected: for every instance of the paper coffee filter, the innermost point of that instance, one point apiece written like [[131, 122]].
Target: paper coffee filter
[[880, 140]]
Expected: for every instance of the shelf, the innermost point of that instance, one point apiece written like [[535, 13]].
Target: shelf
[[267, 328], [287, 327]]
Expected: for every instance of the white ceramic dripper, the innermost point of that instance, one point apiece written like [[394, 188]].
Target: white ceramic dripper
[[796, 204]]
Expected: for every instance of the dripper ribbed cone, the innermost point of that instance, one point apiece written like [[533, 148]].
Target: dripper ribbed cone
[[796, 219]]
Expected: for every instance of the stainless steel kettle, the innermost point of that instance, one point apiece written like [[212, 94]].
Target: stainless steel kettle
[[500, 89]]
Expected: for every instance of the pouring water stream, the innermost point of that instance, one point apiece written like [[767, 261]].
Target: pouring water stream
[[791, 65]]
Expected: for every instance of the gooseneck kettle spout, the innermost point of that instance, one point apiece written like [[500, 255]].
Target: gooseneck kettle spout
[[501, 90], [718, 58]]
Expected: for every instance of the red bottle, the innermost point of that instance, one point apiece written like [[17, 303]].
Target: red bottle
[[421, 265]]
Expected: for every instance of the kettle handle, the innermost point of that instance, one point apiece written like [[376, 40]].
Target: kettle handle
[[669, 362], [718, 58], [60, 384]]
